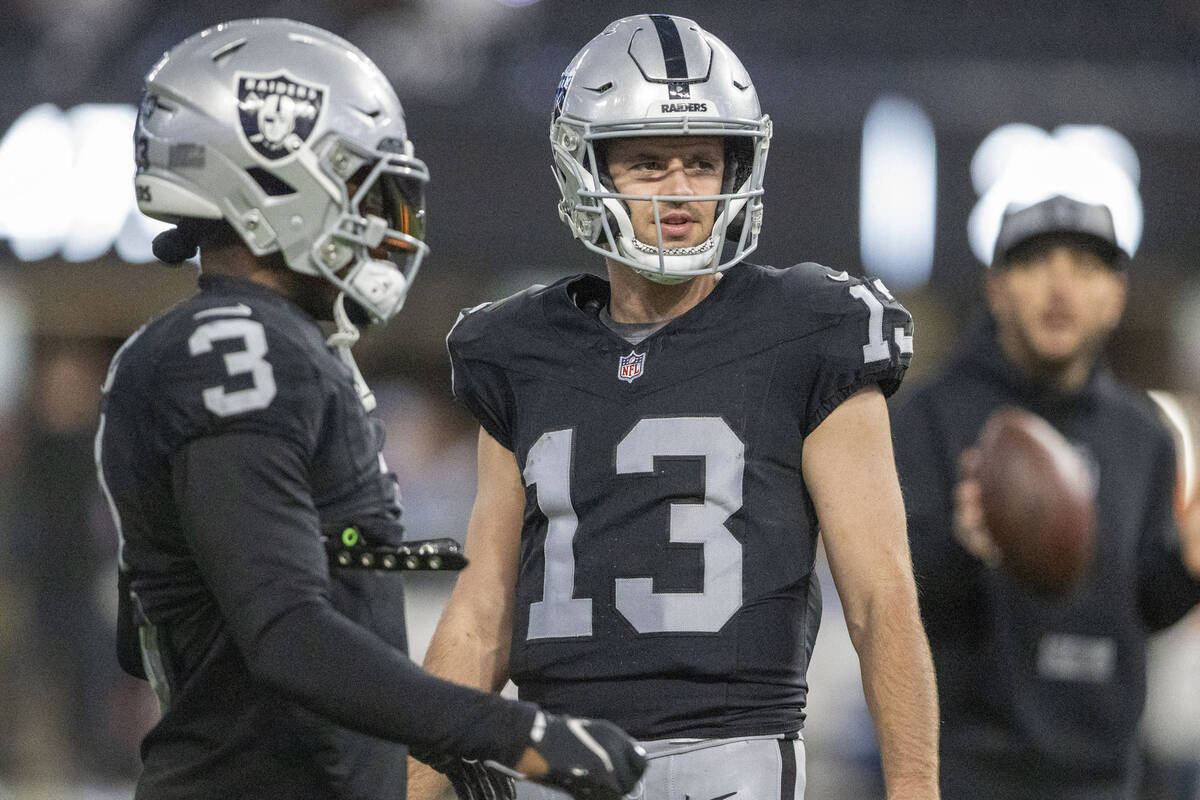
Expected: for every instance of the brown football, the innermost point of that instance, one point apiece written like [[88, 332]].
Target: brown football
[[1038, 500]]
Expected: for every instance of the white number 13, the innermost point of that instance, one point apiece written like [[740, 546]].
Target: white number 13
[[560, 614], [876, 349]]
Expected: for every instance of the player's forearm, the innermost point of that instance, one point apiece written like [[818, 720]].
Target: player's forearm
[[343, 672], [470, 646], [901, 692], [462, 653], [472, 640]]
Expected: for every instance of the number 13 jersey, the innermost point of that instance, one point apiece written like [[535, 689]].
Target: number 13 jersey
[[665, 578]]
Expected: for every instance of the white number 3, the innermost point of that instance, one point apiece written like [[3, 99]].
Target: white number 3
[[248, 360]]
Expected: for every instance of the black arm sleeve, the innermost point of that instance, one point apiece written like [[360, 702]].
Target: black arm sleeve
[[1166, 590], [249, 518]]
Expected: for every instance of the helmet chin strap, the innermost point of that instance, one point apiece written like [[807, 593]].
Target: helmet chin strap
[[675, 258], [342, 340]]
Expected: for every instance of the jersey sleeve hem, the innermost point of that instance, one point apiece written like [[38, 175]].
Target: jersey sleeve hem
[[887, 382]]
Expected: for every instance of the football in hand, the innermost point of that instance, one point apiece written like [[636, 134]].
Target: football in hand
[[1038, 500]]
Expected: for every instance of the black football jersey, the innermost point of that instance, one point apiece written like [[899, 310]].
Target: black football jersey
[[665, 578], [239, 362]]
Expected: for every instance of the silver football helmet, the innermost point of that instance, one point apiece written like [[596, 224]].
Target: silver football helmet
[[296, 139], [658, 75]]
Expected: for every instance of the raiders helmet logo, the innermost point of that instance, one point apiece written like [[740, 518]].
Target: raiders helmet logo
[[278, 112]]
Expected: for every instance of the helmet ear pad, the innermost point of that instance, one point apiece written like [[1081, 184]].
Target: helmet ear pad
[[572, 171], [600, 149], [739, 165]]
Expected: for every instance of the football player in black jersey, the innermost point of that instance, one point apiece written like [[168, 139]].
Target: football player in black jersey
[[235, 444], [659, 449], [1041, 694]]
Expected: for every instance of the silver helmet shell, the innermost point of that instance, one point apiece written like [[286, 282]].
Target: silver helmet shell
[[658, 75], [296, 139]]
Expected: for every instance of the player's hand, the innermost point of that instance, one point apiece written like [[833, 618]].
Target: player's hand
[[586, 758], [969, 528], [473, 780]]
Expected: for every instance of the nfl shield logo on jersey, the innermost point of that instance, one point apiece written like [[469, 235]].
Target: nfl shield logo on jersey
[[631, 366], [278, 112]]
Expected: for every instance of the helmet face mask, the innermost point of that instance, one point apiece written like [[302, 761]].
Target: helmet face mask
[[372, 246], [654, 75], [298, 141]]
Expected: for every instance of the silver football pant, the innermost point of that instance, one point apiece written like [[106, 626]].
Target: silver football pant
[[747, 768]]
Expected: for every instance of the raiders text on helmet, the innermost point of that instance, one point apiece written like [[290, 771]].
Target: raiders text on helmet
[[658, 75], [298, 141]]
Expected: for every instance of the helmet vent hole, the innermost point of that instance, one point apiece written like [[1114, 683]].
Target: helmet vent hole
[[370, 115], [272, 185], [228, 50], [600, 89]]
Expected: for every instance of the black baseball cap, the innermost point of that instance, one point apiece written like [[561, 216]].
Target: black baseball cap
[[1090, 223]]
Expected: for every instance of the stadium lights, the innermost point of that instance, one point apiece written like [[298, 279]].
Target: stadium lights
[[898, 194], [66, 188], [1021, 165], [66, 185]]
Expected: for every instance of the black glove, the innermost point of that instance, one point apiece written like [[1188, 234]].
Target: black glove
[[586, 758], [471, 779]]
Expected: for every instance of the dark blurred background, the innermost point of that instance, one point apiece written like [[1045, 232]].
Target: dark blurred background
[[477, 79]]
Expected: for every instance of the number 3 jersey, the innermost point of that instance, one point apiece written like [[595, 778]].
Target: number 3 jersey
[[207, 557], [666, 562]]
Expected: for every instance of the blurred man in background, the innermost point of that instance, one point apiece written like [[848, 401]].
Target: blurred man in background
[[62, 551], [235, 441], [658, 449], [1040, 695]]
